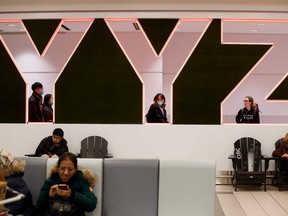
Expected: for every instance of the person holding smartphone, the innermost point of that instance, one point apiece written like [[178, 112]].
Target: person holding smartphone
[[68, 191]]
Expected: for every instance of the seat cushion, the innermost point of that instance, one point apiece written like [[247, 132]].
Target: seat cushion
[[35, 175], [187, 188], [130, 187]]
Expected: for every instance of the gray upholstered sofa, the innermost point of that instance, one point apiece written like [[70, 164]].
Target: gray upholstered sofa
[[128, 187]]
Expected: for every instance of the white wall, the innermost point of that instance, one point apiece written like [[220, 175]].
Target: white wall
[[199, 142], [262, 79]]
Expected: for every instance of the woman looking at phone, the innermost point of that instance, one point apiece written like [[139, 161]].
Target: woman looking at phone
[[68, 191]]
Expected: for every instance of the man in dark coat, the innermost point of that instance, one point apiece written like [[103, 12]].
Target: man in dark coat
[[53, 146], [35, 103]]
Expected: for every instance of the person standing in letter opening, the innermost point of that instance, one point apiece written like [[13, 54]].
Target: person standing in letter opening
[[35, 103], [157, 112], [47, 108], [249, 114]]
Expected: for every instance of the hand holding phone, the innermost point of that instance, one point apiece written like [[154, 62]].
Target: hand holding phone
[[62, 187]]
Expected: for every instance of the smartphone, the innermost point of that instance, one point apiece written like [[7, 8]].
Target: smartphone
[[63, 187]]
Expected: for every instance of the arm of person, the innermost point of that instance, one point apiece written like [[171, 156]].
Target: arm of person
[[46, 112], [15, 208], [257, 117], [278, 152], [43, 198], [62, 149], [32, 111], [238, 117], [85, 199], [41, 148], [159, 115]]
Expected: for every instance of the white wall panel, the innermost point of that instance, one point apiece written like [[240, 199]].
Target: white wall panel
[[196, 142]]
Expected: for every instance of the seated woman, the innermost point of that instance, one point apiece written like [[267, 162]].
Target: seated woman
[[13, 171], [157, 112], [68, 191], [282, 151]]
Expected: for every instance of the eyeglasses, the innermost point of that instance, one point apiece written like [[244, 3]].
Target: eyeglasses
[[69, 169], [246, 101]]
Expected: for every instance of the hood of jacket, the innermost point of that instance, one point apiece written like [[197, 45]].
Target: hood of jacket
[[90, 177]]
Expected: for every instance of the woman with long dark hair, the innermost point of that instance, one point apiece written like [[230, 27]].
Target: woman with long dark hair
[[250, 113], [47, 108], [157, 112]]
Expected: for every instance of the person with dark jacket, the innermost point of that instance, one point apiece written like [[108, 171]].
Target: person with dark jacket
[[53, 146], [13, 171], [35, 103], [47, 108], [68, 189], [249, 114], [157, 112], [282, 151]]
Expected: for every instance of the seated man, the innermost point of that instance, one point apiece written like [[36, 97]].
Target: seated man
[[53, 146]]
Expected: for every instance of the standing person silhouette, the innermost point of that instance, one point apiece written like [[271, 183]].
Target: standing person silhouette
[[47, 108], [35, 103]]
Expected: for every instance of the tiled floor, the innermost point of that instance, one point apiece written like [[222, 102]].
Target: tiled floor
[[250, 201]]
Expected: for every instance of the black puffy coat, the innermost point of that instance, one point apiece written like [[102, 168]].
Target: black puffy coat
[[25, 206]]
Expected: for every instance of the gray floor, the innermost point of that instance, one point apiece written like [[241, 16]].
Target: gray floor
[[250, 201]]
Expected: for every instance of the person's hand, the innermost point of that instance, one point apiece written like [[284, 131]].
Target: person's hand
[[285, 155], [54, 156], [64, 193], [45, 156], [53, 191]]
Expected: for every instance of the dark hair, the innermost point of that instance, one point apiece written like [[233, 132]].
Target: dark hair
[[162, 97], [47, 98], [250, 99], [59, 132], [68, 156], [36, 85]]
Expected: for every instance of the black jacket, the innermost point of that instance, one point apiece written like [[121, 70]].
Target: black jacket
[[46, 147], [248, 116], [25, 206], [35, 108], [155, 115], [47, 113]]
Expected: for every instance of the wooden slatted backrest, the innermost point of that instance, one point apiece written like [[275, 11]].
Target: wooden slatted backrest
[[93, 147], [243, 149]]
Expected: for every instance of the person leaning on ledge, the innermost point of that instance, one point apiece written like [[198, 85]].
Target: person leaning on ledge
[[52, 146], [250, 113], [157, 112]]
